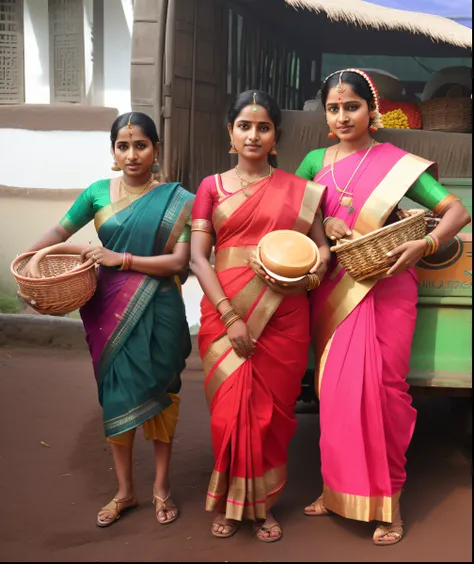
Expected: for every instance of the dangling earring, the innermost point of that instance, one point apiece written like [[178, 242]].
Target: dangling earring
[[233, 150], [331, 135], [115, 167], [155, 167], [373, 128], [274, 150]]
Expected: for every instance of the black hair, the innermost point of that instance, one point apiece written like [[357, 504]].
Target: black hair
[[356, 82], [143, 121], [262, 99]]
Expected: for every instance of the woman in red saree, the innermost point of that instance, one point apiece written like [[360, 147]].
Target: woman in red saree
[[362, 332], [254, 336]]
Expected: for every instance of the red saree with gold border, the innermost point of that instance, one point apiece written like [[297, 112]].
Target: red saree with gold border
[[251, 401]]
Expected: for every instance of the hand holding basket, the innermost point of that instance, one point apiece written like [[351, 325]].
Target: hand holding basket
[[54, 283], [366, 257]]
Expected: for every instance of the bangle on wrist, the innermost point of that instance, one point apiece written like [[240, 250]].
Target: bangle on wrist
[[229, 316], [126, 262], [326, 219], [232, 320], [220, 301], [433, 244]]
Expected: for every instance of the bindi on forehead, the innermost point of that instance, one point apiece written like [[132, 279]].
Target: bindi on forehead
[[249, 114]]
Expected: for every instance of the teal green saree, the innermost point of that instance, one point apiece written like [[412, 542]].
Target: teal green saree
[[136, 324]]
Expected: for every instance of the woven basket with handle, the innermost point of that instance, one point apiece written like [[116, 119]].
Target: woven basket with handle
[[366, 257], [447, 114], [65, 285]]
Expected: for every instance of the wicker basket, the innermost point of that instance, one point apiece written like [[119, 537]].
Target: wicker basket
[[366, 257], [447, 114], [66, 283]]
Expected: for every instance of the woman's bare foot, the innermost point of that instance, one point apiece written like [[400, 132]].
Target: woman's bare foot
[[224, 528], [270, 530]]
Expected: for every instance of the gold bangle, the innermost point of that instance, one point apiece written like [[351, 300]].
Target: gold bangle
[[228, 314], [220, 301], [123, 263], [232, 320]]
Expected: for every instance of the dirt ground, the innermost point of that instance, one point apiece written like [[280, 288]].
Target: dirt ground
[[56, 472]]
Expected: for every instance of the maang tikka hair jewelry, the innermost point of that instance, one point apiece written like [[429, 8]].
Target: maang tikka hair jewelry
[[129, 125], [340, 86], [255, 107]]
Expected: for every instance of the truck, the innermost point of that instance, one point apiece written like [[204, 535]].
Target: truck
[[191, 57]]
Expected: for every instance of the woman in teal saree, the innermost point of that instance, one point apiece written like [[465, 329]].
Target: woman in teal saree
[[135, 324]]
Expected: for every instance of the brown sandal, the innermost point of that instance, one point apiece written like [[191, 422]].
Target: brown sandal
[[113, 507], [268, 529], [232, 526], [320, 510], [394, 529], [164, 507]]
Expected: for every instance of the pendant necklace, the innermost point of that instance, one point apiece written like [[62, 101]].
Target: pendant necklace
[[135, 192], [244, 183], [346, 197]]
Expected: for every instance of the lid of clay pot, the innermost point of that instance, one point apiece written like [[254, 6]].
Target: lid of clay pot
[[288, 253]]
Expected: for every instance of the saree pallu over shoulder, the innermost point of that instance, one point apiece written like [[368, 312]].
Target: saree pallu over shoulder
[[251, 400], [122, 317]]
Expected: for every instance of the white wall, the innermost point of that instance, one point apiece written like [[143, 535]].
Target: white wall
[[54, 159], [36, 33], [118, 18]]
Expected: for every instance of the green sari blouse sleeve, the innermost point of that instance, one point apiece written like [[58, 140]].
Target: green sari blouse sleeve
[[428, 192], [185, 236], [83, 209], [311, 164]]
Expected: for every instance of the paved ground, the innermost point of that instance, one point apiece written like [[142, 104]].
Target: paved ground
[[50, 494]]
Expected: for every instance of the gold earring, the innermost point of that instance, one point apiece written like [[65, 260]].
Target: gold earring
[[233, 150], [274, 150], [115, 167]]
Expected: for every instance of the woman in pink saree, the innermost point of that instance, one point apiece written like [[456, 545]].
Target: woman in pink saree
[[362, 332]]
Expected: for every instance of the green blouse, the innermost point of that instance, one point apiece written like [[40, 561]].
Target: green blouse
[[94, 198], [426, 191]]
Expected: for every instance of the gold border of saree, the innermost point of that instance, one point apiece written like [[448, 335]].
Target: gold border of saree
[[260, 493], [349, 293], [361, 508]]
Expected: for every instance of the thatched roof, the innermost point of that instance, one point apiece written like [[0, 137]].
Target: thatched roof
[[365, 14]]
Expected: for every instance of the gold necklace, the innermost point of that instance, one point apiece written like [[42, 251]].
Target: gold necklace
[[346, 197], [244, 183], [137, 192]]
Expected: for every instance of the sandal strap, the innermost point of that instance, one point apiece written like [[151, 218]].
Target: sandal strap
[[115, 512], [318, 505], [270, 528], [160, 498], [395, 529]]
